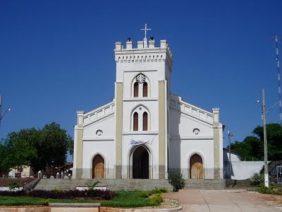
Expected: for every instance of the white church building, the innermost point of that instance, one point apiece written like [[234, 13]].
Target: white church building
[[146, 131]]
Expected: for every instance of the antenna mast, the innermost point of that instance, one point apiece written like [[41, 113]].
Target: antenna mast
[[278, 77]]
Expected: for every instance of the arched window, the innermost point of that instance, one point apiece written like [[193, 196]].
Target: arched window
[[145, 89], [145, 121], [136, 90], [135, 121]]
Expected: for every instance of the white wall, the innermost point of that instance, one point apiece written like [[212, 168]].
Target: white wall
[[106, 148], [242, 170], [103, 144], [184, 142], [105, 124], [204, 148]]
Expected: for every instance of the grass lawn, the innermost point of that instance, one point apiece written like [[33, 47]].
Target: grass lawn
[[122, 199]]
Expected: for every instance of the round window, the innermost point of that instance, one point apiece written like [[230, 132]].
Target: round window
[[99, 132], [196, 131]]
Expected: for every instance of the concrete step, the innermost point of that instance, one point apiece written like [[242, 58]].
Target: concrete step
[[205, 184]]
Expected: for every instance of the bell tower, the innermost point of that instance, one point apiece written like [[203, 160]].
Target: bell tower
[[142, 79]]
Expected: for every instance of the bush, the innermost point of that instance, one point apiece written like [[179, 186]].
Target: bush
[[270, 190], [14, 185], [91, 186], [71, 194], [155, 199], [257, 179], [176, 180], [157, 191]]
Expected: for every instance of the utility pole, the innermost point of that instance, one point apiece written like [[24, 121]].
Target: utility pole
[[230, 135], [266, 177]]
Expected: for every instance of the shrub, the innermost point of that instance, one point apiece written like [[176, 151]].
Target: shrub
[[155, 199], [158, 191], [14, 185], [270, 190], [71, 194], [12, 193], [176, 180], [257, 179], [97, 194], [91, 186]]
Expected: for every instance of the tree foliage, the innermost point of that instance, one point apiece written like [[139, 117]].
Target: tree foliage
[[4, 163], [38, 148], [251, 148]]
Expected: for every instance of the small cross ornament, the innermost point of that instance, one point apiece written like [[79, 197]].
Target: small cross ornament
[[145, 31]]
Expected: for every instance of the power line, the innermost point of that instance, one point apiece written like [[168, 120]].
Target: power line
[[276, 39]]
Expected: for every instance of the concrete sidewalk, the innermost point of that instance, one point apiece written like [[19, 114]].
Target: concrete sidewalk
[[226, 200]]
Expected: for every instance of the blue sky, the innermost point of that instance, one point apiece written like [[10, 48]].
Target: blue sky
[[56, 57]]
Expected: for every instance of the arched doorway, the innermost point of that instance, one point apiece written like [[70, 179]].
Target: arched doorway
[[140, 163], [98, 167], [196, 167]]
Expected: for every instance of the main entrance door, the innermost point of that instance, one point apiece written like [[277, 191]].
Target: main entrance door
[[140, 163], [98, 167], [196, 167]]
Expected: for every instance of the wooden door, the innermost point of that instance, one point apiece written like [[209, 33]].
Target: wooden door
[[196, 167], [98, 167]]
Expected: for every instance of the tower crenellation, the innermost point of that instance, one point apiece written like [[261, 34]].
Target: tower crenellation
[[142, 51]]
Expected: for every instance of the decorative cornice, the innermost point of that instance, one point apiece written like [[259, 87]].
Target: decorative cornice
[[97, 139], [191, 138], [140, 100], [178, 104], [141, 133]]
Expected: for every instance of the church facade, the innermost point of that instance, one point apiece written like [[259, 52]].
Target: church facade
[[146, 131]]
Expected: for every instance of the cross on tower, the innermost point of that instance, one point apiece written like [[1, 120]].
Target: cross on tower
[[145, 31]]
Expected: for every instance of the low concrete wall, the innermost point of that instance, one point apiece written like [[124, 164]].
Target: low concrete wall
[[85, 209], [114, 185], [49, 209], [24, 209]]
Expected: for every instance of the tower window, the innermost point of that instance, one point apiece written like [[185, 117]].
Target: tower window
[[136, 89], [145, 89], [135, 121], [145, 121]]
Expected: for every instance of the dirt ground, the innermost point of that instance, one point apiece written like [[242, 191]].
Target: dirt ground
[[226, 200]]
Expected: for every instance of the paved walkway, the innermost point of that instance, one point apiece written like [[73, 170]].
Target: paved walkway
[[226, 200]]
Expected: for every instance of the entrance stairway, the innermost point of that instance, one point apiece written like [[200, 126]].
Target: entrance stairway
[[125, 184]]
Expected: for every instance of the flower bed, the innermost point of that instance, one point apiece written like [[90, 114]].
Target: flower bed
[[71, 194], [124, 199]]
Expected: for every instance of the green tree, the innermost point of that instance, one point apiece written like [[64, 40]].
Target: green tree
[[4, 163], [251, 148], [274, 140], [52, 147], [39, 148], [20, 147], [70, 145]]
